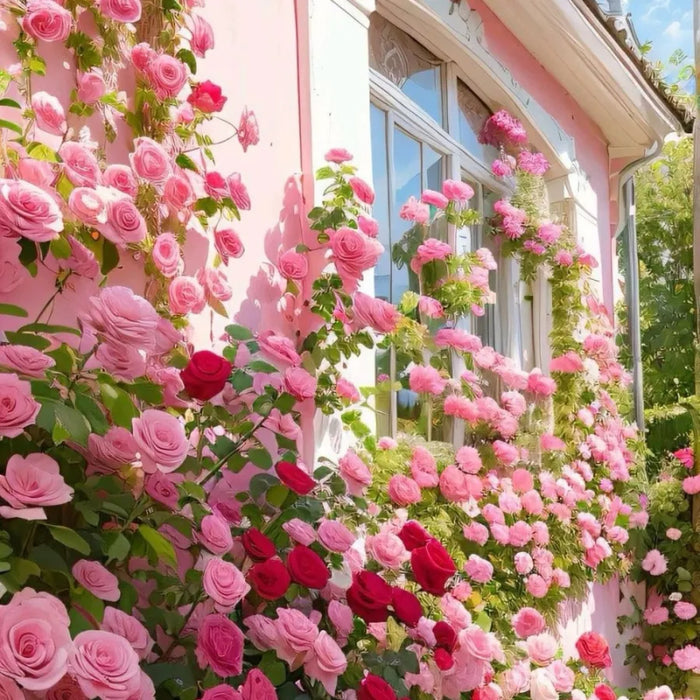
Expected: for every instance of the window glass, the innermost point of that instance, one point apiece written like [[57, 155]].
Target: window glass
[[410, 66], [380, 209], [472, 115], [486, 325]]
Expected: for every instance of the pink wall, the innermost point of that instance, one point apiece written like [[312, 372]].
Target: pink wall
[[591, 147]]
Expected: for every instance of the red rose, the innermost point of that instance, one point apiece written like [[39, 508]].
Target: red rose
[[294, 478], [375, 688], [604, 692], [444, 661], [406, 606], [593, 650], [269, 579], [445, 635], [207, 97], [369, 597], [206, 375], [414, 535], [432, 566], [257, 546], [307, 568]]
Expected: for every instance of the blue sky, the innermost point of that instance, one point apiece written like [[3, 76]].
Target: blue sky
[[668, 24]]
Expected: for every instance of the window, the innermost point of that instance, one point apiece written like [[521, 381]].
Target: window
[[425, 122]]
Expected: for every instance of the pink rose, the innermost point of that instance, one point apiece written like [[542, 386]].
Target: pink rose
[[88, 206], [684, 610], [166, 255], [426, 380], [375, 313], [416, 211], [9, 690], [220, 646], [49, 114], [431, 249], [299, 383], [103, 584], [125, 223], [248, 133], [423, 468], [541, 648], [296, 633], [403, 491], [215, 534], [342, 618], [161, 440], [238, 191], [368, 225], [687, 658], [142, 55], [362, 190], [523, 563], [299, 531], [127, 11], [430, 307], [338, 155], [178, 194], [105, 665], [150, 161], [121, 178], [37, 172], [258, 687], [335, 536], [673, 533], [18, 409], [478, 569], [691, 485], [278, 347], [46, 20], [34, 640], [27, 211], [12, 272], [25, 360], [127, 626], [326, 662], [293, 265], [91, 86], [215, 285], [456, 486], [476, 532], [123, 362], [469, 459], [355, 473], [228, 244], [202, 36], [225, 584], [562, 676], [262, 632], [162, 488], [79, 164], [527, 622], [221, 692], [387, 549], [33, 482], [536, 586], [185, 295], [655, 563], [113, 449], [347, 390], [457, 191], [352, 253], [167, 75], [662, 692]]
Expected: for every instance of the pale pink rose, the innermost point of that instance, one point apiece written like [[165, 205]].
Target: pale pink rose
[[456, 486], [423, 468], [540, 385], [549, 442], [299, 531], [299, 383], [161, 440], [673, 533], [185, 295], [387, 443], [49, 114], [105, 665], [541, 648], [101, 582], [150, 161], [338, 155], [120, 177], [18, 409], [79, 164], [352, 253], [297, 634], [527, 622], [691, 485], [335, 536], [355, 473], [479, 645], [342, 618], [47, 20], [123, 362], [262, 632], [228, 244], [238, 191], [163, 488], [431, 249], [142, 55], [27, 211], [25, 359], [166, 255], [9, 690], [12, 272], [127, 626], [493, 514], [86, 204], [127, 11], [125, 223], [293, 265], [522, 481], [416, 211], [655, 563], [202, 36], [436, 199], [662, 692], [685, 610], [426, 379], [215, 534], [33, 482], [561, 578], [34, 640], [387, 549], [478, 569], [91, 86], [326, 662], [37, 172], [476, 532], [509, 502], [687, 658], [429, 307], [536, 586], [368, 225], [532, 503], [215, 285], [248, 132], [113, 449], [561, 675], [178, 195], [568, 363], [515, 680], [225, 584], [542, 686], [523, 563], [656, 616], [457, 191], [403, 491], [347, 390], [375, 313], [167, 76], [469, 459]]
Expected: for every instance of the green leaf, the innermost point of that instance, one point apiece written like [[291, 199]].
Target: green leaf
[[48, 328], [69, 538], [91, 410], [260, 483], [8, 102], [238, 332], [185, 162], [187, 57], [159, 545], [12, 310], [41, 151], [119, 404], [115, 545], [277, 494], [160, 673], [5, 124], [273, 668], [260, 457], [60, 248], [48, 559], [146, 391]]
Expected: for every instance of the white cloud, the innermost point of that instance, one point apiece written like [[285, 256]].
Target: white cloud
[[654, 6], [673, 30]]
